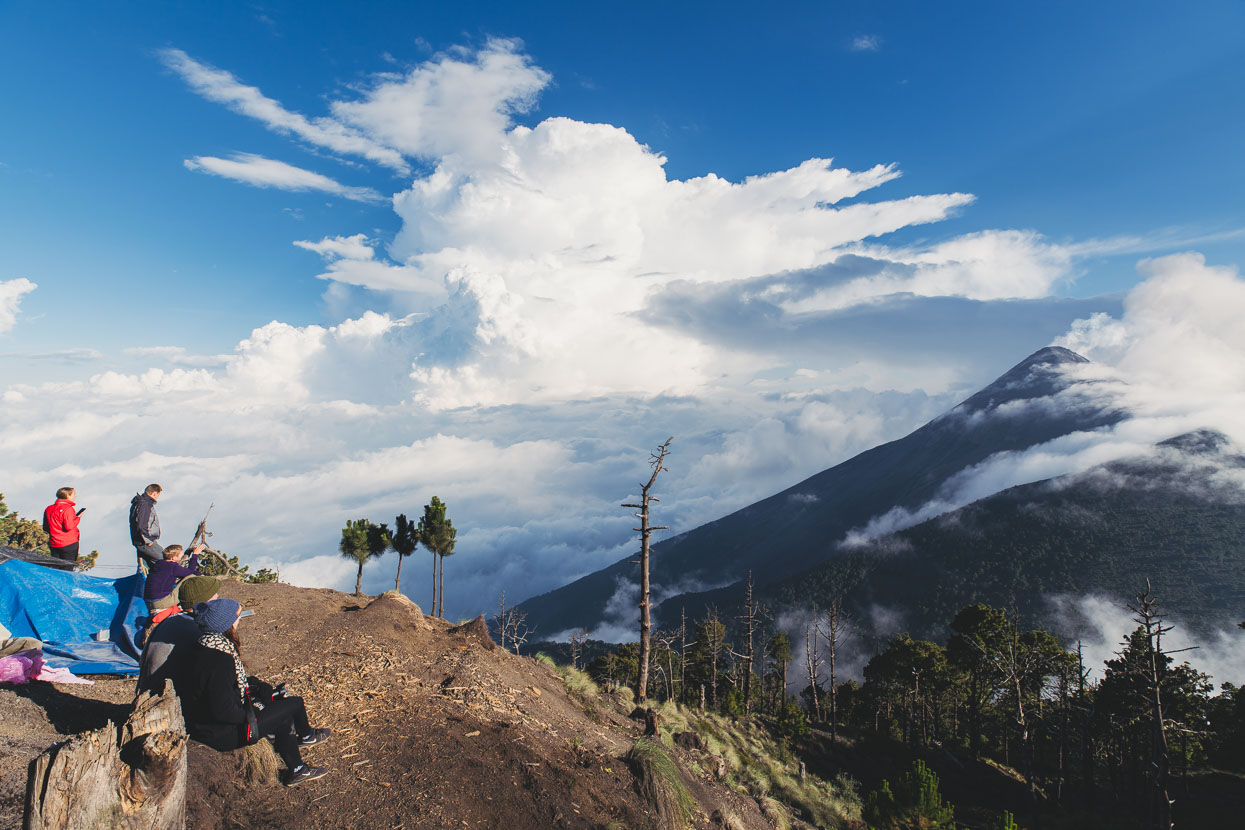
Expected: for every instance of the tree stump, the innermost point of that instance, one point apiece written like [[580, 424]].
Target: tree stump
[[689, 740], [129, 776]]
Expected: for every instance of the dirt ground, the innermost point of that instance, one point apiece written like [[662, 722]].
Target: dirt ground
[[37, 715], [434, 726]]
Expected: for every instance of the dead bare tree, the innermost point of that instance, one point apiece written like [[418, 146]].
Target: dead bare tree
[[201, 537], [683, 652], [511, 625], [666, 640], [657, 460], [576, 642], [500, 618], [837, 630], [713, 633], [750, 627], [812, 659], [1151, 622], [516, 623], [752, 612]]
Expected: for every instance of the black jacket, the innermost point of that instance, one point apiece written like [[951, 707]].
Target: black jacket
[[214, 712]]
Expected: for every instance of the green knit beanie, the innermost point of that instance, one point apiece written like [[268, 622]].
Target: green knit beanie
[[196, 589]]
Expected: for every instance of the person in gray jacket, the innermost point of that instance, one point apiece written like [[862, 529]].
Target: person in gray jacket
[[145, 527], [172, 634]]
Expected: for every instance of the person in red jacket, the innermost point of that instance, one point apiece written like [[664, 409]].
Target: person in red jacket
[[60, 520]]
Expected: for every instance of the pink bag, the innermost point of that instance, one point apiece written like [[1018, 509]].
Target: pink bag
[[21, 667]]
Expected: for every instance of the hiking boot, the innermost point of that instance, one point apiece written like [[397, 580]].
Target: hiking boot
[[317, 736], [304, 772]]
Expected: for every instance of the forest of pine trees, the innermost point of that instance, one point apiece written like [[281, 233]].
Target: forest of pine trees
[[1123, 741]]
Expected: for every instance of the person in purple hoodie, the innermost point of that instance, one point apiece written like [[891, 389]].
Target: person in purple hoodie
[[161, 589]]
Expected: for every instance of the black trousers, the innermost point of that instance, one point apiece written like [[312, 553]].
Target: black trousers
[[69, 553], [285, 719]]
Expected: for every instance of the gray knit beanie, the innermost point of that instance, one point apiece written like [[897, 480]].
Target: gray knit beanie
[[217, 616]]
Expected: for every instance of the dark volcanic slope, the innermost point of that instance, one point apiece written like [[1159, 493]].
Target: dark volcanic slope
[[794, 530], [1172, 518]]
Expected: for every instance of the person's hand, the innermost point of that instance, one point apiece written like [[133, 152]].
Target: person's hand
[[197, 548]]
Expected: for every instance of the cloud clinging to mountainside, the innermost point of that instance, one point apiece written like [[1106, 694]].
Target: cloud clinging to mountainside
[[1174, 360]]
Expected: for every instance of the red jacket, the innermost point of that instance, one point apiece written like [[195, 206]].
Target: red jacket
[[60, 520]]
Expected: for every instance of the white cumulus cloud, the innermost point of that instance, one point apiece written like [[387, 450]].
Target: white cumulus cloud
[[265, 172], [11, 293], [222, 87], [456, 105]]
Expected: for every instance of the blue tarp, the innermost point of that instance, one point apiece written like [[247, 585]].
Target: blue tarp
[[66, 610]]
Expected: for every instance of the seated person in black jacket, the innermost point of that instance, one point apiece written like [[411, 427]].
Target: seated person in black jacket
[[226, 710]]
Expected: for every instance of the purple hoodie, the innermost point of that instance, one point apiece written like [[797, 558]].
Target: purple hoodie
[[164, 576]]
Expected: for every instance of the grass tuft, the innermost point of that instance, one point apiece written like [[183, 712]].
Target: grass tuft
[[764, 767], [664, 779]]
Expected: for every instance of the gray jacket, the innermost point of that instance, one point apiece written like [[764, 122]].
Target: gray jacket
[[145, 528], [166, 648]]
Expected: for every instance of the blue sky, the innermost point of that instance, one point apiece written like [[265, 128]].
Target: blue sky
[[561, 283]]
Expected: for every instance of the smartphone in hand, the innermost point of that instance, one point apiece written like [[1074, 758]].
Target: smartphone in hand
[[81, 510]]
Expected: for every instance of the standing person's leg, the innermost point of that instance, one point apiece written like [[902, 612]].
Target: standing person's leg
[[68, 553]]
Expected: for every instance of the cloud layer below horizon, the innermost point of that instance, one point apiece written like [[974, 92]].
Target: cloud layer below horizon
[[552, 304]]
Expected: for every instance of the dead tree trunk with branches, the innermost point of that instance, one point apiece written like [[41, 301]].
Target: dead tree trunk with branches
[[657, 461], [511, 626], [683, 654], [201, 538], [812, 660], [1151, 622], [751, 612], [501, 620], [838, 629], [576, 643]]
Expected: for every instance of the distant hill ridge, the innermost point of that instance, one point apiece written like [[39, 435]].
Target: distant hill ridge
[[1169, 517], [797, 529]]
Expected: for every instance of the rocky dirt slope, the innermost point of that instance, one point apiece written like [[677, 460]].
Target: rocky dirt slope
[[433, 726]]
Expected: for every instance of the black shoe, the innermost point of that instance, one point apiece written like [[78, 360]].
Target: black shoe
[[317, 736], [305, 772]]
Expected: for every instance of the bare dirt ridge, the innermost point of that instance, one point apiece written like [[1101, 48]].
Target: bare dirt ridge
[[434, 726]]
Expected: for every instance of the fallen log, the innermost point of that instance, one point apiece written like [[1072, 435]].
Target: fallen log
[[130, 776]]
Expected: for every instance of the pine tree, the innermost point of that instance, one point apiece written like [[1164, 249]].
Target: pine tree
[[915, 802], [23, 534], [354, 545], [779, 650], [405, 538], [437, 534]]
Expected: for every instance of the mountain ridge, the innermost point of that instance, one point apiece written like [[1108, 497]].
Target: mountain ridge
[[1166, 517], [794, 529]]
